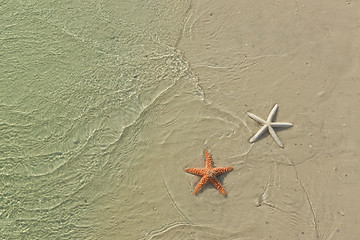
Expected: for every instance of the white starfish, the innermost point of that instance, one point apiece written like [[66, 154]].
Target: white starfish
[[268, 125]]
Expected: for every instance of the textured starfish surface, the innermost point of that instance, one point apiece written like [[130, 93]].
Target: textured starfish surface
[[269, 125], [209, 174]]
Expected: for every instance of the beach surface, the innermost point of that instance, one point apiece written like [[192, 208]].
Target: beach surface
[[304, 56], [104, 104]]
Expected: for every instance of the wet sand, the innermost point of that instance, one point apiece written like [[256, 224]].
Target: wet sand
[[304, 56]]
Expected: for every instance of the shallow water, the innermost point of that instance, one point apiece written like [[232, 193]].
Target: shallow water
[[79, 84]]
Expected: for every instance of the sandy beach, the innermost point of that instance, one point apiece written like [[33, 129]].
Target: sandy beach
[[104, 104], [304, 56]]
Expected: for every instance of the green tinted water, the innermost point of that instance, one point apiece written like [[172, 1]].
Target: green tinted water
[[76, 77]]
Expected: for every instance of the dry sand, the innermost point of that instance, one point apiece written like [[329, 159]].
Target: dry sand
[[304, 56]]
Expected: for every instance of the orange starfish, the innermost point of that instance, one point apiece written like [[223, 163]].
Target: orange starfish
[[209, 174]]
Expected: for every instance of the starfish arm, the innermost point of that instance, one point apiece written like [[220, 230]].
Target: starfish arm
[[258, 134], [218, 185], [275, 136], [281, 124], [272, 113], [209, 163], [196, 171], [256, 118], [201, 184], [222, 170]]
